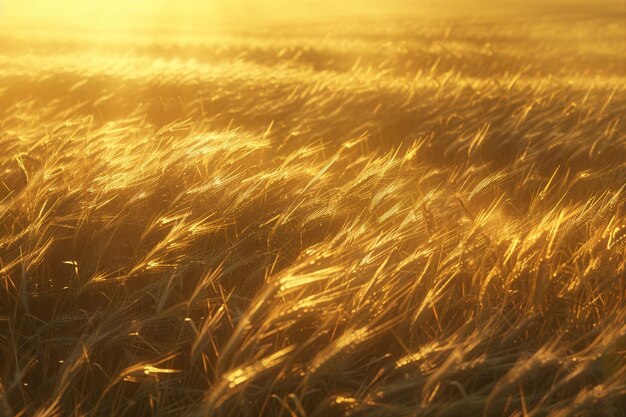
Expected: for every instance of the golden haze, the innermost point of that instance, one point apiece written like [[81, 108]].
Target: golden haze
[[312, 209]]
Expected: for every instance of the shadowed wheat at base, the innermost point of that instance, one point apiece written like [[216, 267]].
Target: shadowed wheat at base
[[413, 220]]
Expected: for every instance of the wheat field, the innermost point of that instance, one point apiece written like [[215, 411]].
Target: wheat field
[[366, 217]]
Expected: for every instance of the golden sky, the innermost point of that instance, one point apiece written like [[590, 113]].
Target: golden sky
[[125, 14]]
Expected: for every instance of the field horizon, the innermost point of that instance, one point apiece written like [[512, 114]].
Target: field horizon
[[393, 214]]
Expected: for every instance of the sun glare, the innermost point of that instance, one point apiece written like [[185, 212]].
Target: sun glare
[[116, 15]]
